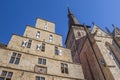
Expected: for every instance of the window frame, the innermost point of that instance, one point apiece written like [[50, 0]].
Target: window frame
[[16, 57], [64, 68], [8, 75]]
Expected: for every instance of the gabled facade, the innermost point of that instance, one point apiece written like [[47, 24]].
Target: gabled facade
[[97, 51], [38, 55]]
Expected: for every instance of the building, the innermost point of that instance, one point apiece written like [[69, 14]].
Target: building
[[38, 55], [96, 50]]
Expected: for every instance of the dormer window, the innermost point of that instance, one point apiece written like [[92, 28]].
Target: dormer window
[[38, 34], [51, 38]]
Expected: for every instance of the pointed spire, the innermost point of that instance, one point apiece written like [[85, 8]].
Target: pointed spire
[[72, 20], [69, 12]]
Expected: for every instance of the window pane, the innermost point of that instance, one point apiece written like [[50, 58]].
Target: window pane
[[65, 65], [4, 73], [38, 47], [66, 70], [12, 60], [29, 43], [42, 78], [38, 35], [14, 54], [44, 61], [43, 46], [37, 78], [1, 78], [62, 65], [62, 69], [17, 60], [19, 55], [39, 60], [9, 74]]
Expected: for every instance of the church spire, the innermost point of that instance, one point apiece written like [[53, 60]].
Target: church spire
[[72, 20]]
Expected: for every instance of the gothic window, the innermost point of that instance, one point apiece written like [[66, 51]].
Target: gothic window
[[43, 47], [38, 47], [15, 58], [40, 78], [29, 44], [5, 75], [41, 61], [64, 68], [51, 38], [38, 34]]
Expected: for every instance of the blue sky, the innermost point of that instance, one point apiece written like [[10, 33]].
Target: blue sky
[[16, 14]]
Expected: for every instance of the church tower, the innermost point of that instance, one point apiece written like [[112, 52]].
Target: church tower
[[76, 34], [96, 50]]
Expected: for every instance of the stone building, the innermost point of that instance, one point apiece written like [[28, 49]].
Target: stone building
[[96, 50], [38, 55]]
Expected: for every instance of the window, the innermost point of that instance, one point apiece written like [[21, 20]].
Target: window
[[41, 61], [38, 34], [38, 47], [51, 38], [79, 33], [64, 68], [58, 52], [24, 43], [40, 78], [5, 75], [43, 47], [29, 44], [15, 58]]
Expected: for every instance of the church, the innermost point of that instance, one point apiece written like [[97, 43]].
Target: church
[[96, 50], [38, 54]]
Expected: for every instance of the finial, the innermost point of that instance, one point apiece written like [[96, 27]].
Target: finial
[[69, 11]]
